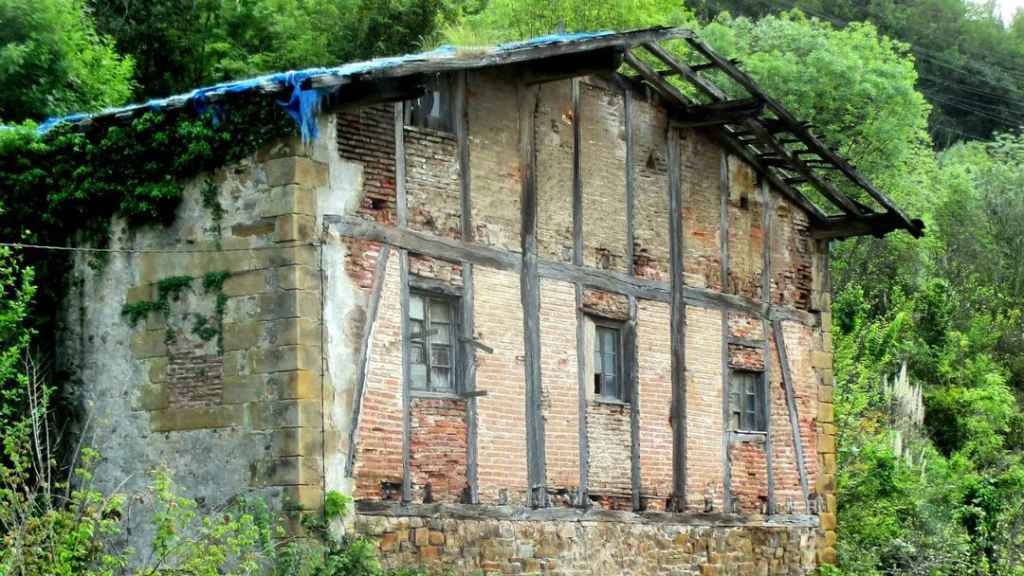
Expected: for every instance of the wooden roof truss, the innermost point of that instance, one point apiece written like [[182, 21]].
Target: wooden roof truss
[[781, 148]]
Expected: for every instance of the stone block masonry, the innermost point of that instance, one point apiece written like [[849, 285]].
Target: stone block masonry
[[448, 541]]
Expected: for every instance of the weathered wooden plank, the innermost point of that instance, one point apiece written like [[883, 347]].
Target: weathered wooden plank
[[664, 88], [627, 110], [406, 389], [633, 380], [839, 227], [402, 207], [723, 258], [794, 417], [425, 243], [577, 176], [767, 218], [719, 113], [530, 289], [583, 495], [363, 360], [621, 283], [518, 513], [468, 320], [678, 338]]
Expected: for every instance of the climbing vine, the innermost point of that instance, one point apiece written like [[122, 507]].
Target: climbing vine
[[64, 186], [169, 290]]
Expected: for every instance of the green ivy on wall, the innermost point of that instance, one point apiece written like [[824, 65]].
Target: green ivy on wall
[[169, 290]]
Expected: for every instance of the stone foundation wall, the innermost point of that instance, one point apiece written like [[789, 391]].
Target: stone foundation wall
[[641, 545]]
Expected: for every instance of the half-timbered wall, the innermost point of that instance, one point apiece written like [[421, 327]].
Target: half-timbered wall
[[546, 211], [595, 175]]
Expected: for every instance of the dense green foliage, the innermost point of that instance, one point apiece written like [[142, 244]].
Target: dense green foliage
[[181, 44], [880, 79], [52, 61], [970, 64]]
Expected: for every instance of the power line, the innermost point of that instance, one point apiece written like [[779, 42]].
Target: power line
[[22, 245]]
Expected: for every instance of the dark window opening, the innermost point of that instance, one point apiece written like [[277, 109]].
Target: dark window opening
[[747, 403], [434, 109], [432, 355], [609, 383]]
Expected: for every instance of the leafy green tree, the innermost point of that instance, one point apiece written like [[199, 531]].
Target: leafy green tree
[[52, 61], [503, 20], [182, 44]]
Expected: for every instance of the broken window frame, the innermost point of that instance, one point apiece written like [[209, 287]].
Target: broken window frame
[[429, 298], [601, 391], [748, 402], [435, 109]]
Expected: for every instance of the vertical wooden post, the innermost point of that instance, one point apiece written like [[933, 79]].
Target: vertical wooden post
[[723, 253], [468, 319], [766, 346], [675, 220], [632, 374], [530, 288], [402, 208], [583, 497]]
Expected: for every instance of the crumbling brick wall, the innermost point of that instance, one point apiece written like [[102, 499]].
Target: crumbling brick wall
[[501, 414], [704, 426], [791, 255], [432, 181], [378, 463], [746, 233], [494, 159], [554, 141], [701, 182], [437, 455], [366, 135], [650, 169], [603, 155], [654, 346], [560, 388], [749, 475]]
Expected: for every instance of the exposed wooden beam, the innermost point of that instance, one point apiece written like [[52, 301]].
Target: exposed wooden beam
[[402, 206], [755, 126], [794, 416], [723, 258], [878, 225], [664, 88], [363, 360], [678, 322], [719, 113], [767, 238], [468, 320], [804, 134], [529, 280], [618, 282]]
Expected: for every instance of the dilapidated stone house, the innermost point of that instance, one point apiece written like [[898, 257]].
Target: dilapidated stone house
[[558, 306]]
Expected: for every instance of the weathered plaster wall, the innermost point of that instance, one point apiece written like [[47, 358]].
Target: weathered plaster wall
[[244, 418]]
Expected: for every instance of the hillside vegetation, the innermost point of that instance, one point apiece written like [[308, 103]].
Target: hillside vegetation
[[926, 97]]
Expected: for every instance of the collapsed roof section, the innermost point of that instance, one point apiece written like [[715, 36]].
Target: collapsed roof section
[[755, 126]]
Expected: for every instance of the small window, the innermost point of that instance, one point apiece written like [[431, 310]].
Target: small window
[[609, 383], [747, 402], [434, 109], [432, 355]]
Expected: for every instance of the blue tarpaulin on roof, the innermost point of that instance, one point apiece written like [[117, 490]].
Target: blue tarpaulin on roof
[[303, 103]]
